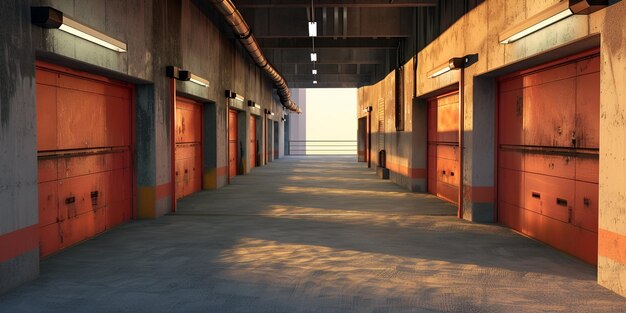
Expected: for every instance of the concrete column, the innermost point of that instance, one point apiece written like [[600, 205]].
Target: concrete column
[[612, 204], [479, 155], [419, 153], [19, 214]]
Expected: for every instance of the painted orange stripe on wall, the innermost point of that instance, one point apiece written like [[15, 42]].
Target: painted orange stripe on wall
[[222, 171], [417, 173], [163, 191], [612, 245], [480, 194], [397, 168], [18, 242]]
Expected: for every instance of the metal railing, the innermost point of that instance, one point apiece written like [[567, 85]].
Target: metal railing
[[322, 147]]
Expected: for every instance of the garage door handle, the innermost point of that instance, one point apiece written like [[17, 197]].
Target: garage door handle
[[451, 173], [443, 172], [561, 202], [70, 200], [536, 195], [586, 201], [186, 171]]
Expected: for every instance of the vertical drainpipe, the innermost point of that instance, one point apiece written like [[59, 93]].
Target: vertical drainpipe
[[461, 132], [369, 139], [227, 141], [173, 141]]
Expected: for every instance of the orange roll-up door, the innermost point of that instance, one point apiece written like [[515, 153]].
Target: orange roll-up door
[[84, 153], [443, 146], [232, 142], [548, 153], [188, 135], [253, 146]]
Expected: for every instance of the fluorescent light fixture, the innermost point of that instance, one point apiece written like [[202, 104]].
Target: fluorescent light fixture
[[48, 17], [313, 57], [188, 76], [312, 29], [253, 104], [549, 16], [315, 82], [314, 72], [233, 95], [452, 64]]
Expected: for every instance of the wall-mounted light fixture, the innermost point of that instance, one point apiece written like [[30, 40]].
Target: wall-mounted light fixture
[[253, 104], [233, 95], [312, 29], [368, 109], [452, 64], [188, 76], [549, 16], [268, 112], [172, 72], [48, 17], [314, 72], [313, 57]]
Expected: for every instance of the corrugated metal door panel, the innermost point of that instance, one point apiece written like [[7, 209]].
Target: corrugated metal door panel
[[511, 188], [550, 75], [48, 203], [92, 86], [545, 176], [511, 110], [49, 239], [46, 117], [116, 126], [252, 146], [85, 170], [443, 127], [511, 215], [587, 169], [80, 124], [188, 154], [549, 114], [553, 165], [588, 110], [232, 142], [586, 206], [510, 159]]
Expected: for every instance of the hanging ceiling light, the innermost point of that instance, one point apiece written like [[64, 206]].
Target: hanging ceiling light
[[315, 82], [312, 29], [313, 56], [314, 72]]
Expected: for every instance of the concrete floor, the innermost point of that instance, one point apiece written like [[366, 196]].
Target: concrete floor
[[312, 235]]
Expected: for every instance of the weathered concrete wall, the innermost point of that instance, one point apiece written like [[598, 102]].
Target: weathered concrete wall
[[397, 143], [158, 34], [19, 236], [477, 33]]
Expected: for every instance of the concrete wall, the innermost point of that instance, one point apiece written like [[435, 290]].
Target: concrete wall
[[297, 122], [158, 34], [19, 233], [477, 33]]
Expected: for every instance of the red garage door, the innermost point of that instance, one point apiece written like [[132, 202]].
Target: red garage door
[[548, 153], [188, 147], [232, 142], [253, 144], [443, 146], [84, 152]]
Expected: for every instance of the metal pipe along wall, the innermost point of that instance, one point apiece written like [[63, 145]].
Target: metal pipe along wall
[[241, 29]]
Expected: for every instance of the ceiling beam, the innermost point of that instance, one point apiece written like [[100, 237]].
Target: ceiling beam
[[323, 42], [336, 3]]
